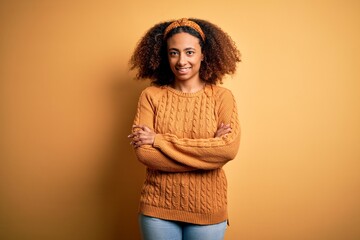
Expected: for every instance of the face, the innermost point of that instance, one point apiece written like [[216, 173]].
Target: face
[[185, 56]]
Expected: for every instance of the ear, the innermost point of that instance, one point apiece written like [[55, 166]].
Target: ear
[[202, 56]]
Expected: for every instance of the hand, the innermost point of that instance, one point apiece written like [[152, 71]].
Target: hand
[[143, 136], [222, 130]]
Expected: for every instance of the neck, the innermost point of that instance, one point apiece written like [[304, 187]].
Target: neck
[[187, 87]]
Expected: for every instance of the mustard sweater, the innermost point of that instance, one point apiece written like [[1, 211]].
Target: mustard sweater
[[184, 178]]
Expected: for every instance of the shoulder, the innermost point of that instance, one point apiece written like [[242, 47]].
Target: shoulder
[[220, 92], [151, 90], [152, 93]]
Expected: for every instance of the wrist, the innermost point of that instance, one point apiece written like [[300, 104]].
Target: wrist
[[157, 140]]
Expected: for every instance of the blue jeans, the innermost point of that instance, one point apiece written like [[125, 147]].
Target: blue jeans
[[159, 229]]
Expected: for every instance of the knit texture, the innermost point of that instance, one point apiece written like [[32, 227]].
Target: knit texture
[[184, 178]]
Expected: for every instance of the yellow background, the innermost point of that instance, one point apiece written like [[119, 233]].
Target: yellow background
[[68, 99]]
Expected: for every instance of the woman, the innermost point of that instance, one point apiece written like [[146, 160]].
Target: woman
[[185, 129]]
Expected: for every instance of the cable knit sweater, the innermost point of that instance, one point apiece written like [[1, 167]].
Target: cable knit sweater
[[184, 178]]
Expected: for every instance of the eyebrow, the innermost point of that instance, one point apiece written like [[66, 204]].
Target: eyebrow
[[186, 49]]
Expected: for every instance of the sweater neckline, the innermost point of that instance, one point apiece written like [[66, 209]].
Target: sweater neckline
[[185, 94]]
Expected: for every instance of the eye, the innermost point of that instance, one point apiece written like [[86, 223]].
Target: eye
[[173, 53], [190, 52]]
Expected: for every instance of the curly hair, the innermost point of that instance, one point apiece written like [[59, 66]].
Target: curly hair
[[150, 57]]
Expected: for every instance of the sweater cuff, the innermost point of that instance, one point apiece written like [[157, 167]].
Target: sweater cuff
[[157, 140]]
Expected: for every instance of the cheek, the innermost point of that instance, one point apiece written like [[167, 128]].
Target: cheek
[[198, 61], [171, 62]]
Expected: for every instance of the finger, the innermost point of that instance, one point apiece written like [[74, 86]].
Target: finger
[[143, 135], [226, 127], [140, 143], [132, 136], [136, 127], [146, 128], [223, 132], [135, 134], [134, 144], [139, 126], [228, 130], [137, 143]]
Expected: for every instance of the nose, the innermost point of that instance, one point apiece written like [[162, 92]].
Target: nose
[[182, 59]]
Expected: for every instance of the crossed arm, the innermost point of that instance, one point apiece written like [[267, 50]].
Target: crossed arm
[[167, 152], [146, 136]]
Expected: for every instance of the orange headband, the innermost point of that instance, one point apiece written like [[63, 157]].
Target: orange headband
[[182, 23]]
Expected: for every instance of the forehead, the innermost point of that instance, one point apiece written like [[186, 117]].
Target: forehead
[[183, 40]]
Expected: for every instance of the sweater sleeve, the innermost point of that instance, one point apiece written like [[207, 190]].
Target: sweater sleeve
[[209, 153], [152, 157]]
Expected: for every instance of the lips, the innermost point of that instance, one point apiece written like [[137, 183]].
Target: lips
[[183, 70]]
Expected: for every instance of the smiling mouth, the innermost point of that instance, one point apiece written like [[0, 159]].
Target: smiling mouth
[[183, 69]]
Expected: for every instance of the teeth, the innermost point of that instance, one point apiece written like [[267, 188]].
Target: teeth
[[183, 70]]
